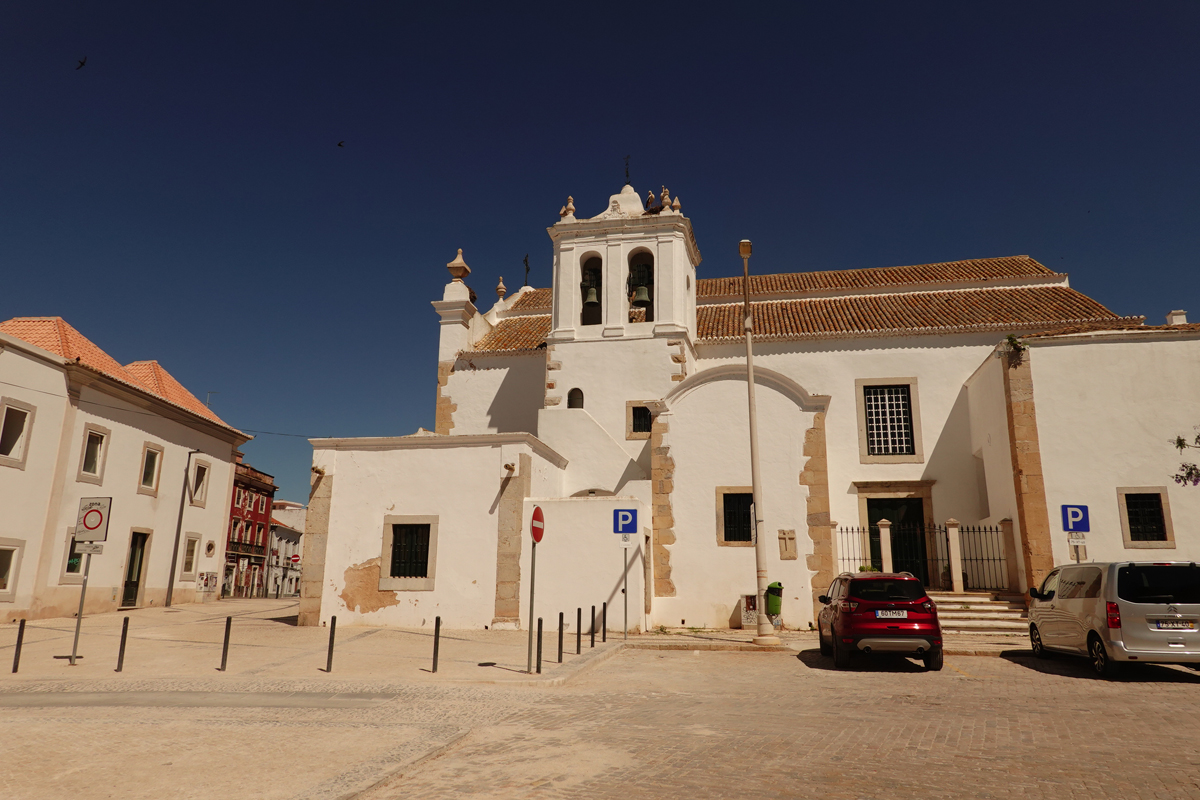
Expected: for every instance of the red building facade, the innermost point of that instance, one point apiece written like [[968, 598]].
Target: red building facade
[[249, 532]]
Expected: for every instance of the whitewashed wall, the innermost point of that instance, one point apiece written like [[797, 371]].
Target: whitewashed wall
[[497, 394], [1108, 410]]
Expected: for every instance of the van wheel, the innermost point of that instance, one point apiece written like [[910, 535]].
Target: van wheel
[[1104, 666], [1035, 643], [826, 650], [934, 660], [841, 656]]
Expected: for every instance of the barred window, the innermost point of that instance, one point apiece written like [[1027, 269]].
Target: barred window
[[1146, 520], [410, 551], [889, 420], [641, 419], [738, 525]]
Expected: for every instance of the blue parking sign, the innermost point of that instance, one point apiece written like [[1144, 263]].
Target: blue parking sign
[[625, 520], [1075, 518]]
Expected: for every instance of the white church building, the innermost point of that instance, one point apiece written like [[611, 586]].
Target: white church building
[[932, 418]]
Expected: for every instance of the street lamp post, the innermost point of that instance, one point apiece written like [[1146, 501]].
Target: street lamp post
[[766, 631]]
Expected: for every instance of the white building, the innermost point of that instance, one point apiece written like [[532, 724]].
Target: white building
[[901, 394], [286, 551], [74, 423]]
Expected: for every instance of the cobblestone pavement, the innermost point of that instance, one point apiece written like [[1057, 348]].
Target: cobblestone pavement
[[642, 724]]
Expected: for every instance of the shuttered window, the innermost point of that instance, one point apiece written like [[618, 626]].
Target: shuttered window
[[410, 551], [737, 517]]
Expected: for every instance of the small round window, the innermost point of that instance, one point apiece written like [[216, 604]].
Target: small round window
[[210, 549]]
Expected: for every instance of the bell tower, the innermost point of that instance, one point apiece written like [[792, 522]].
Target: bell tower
[[629, 271]]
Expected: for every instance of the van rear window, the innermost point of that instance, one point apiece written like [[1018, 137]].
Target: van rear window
[[1159, 584], [884, 589]]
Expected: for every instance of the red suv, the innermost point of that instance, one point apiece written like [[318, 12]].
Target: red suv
[[877, 612]]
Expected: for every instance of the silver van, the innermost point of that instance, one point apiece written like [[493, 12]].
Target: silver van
[[1126, 611]]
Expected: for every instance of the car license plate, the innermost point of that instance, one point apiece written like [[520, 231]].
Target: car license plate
[[891, 615], [1176, 624]]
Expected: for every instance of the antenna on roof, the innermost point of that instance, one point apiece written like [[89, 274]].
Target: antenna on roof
[[626, 170], [208, 398], [526, 283]]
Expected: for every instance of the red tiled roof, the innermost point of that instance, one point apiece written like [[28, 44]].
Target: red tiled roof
[[538, 298], [1126, 323], [978, 269], [915, 312], [152, 375], [56, 335], [515, 334]]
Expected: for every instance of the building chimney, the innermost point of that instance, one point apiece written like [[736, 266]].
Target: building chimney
[[1177, 318]]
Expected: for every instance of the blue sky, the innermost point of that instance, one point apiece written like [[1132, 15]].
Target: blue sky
[[182, 197]]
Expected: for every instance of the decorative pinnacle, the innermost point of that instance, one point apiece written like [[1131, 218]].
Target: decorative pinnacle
[[500, 288], [675, 203], [458, 268]]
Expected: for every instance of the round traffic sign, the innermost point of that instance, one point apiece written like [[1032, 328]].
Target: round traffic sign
[[296, 558], [93, 519], [537, 525]]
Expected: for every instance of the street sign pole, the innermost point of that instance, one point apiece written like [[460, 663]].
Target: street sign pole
[[625, 591], [87, 568], [532, 575]]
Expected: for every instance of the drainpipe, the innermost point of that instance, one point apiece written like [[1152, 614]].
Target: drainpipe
[[183, 495]]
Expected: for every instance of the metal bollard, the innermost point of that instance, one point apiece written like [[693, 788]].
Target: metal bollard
[[121, 651], [20, 639], [437, 638], [539, 657], [578, 631], [592, 632], [560, 634], [332, 631], [225, 648], [604, 623]]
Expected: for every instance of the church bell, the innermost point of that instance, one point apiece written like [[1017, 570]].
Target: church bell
[[641, 297], [592, 299]]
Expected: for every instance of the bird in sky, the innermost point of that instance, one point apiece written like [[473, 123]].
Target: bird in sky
[[342, 143], [81, 63]]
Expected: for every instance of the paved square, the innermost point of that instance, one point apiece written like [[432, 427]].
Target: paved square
[[642, 724]]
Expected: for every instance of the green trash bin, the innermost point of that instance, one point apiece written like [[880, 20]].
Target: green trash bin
[[774, 599]]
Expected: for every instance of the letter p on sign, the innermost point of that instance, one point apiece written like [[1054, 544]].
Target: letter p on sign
[[1075, 518], [625, 520]]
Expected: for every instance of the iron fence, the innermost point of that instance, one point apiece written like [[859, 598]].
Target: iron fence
[[924, 551]]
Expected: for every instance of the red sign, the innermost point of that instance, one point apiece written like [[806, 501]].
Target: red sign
[[538, 525], [296, 558]]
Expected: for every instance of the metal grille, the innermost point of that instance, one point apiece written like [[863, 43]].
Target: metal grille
[[1146, 522], [737, 517], [983, 560], [889, 420], [410, 551], [641, 419]]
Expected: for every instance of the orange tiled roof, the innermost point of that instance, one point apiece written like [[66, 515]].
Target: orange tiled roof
[[152, 375], [56, 335], [915, 312], [978, 269], [1125, 323], [516, 334], [538, 298]]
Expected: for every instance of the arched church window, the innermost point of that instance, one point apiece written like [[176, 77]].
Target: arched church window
[[640, 287], [575, 398], [591, 290]]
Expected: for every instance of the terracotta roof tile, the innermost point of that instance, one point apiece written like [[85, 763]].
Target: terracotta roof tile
[[1126, 323], [979, 269], [56, 335], [163, 384], [916, 312], [538, 298], [516, 334]]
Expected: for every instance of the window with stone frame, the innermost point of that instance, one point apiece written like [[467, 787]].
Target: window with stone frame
[[1146, 520]]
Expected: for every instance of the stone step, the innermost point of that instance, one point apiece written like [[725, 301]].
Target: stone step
[[984, 625], [1002, 611], [959, 615]]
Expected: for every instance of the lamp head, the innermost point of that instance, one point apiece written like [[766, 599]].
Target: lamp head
[[744, 248]]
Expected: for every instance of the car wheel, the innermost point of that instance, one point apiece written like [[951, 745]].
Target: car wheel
[[1035, 643], [1104, 666], [841, 655], [934, 660], [826, 650]]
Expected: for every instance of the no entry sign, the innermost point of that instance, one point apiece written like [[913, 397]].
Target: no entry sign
[[537, 525], [296, 558], [92, 523]]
